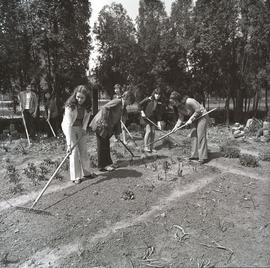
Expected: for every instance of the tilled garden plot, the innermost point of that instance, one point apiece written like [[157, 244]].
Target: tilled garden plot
[[159, 211]]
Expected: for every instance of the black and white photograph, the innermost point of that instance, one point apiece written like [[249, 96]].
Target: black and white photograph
[[134, 133]]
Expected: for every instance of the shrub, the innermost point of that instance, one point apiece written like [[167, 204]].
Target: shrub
[[265, 156], [14, 178], [248, 160], [230, 151]]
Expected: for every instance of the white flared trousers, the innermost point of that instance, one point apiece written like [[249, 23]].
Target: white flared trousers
[[79, 164], [199, 148]]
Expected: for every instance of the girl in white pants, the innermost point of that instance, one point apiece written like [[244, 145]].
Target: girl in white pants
[[75, 121]]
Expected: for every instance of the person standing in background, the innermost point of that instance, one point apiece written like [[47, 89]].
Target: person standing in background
[[29, 104]]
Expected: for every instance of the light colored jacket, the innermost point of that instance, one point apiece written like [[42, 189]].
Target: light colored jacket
[[33, 101], [69, 119]]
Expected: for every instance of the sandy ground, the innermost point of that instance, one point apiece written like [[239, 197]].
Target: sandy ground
[[214, 215]]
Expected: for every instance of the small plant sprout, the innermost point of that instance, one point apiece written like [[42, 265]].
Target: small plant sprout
[[154, 166], [31, 172], [165, 167], [180, 169]]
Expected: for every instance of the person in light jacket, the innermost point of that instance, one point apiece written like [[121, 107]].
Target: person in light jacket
[[74, 125], [29, 105], [185, 106], [106, 123]]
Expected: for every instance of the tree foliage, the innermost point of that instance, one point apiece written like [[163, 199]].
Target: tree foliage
[[47, 42], [115, 34], [214, 48]]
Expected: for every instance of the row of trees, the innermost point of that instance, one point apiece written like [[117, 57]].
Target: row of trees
[[213, 47], [44, 41], [217, 48]]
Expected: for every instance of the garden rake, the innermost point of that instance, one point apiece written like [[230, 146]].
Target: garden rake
[[39, 211], [154, 124], [51, 128], [128, 132], [128, 149], [173, 131], [24, 124]]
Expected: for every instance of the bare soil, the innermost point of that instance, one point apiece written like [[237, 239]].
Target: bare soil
[[212, 215]]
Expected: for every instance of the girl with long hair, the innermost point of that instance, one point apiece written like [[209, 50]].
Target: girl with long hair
[[151, 111], [74, 125]]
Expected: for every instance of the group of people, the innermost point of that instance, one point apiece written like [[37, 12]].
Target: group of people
[[110, 119], [28, 101]]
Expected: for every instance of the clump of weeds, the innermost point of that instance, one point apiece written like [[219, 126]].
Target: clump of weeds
[[50, 164], [248, 160], [265, 156], [166, 166], [31, 172], [230, 151], [13, 177], [20, 149], [93, 161]]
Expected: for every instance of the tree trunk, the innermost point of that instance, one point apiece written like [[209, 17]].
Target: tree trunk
[[227, 109], [266, 98], [249, 100]]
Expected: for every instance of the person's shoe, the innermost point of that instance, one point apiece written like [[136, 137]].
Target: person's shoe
[[153, 151], [107, 168], [77, 181], [193, 158], [203, 161], [147, 150]]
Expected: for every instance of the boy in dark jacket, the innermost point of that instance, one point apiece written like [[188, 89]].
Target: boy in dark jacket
[[106, 123]]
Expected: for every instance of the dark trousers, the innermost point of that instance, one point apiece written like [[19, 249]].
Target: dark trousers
[[103, 151], [30, 123], [55, 122]]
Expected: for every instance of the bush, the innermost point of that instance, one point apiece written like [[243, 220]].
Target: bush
[[230, 151], [265, 156], [248, 160]]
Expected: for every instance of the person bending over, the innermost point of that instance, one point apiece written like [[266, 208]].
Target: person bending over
[[185, 106], [106, 123]]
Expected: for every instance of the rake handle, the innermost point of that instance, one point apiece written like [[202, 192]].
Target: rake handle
[[126, 147], [124, 126], [150, 121], [164, 136], [55, 172], [24, 123], [51, 128]]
